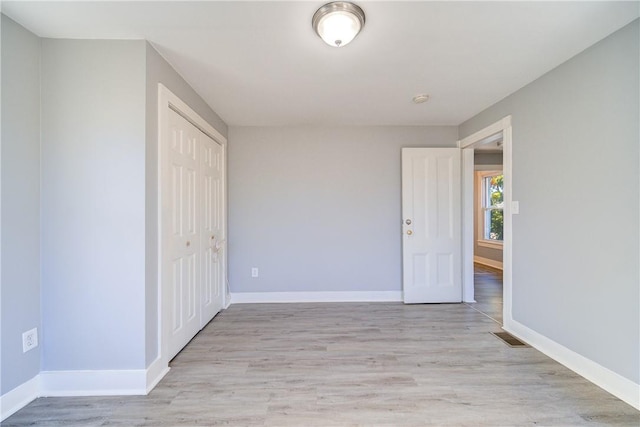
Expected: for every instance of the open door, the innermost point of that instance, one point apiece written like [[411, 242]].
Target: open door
[[431, 225]]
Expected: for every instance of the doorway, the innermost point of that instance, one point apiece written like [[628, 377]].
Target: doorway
[[498, 134], [488, 230]]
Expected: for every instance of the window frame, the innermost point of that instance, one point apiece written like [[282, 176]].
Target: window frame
[[481, 209]]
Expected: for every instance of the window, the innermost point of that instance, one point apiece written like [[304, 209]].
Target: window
[[491, 221]]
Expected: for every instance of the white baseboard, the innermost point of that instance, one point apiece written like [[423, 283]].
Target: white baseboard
[[488, 262], [619, 386], [285, 297], [93, 383], [16, 399], [83, 383], [155, 372]]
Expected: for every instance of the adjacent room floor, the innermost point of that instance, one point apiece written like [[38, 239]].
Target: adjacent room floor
[[488, 291], [350, 364]]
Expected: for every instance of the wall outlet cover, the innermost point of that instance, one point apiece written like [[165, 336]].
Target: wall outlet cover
[[29, 340]]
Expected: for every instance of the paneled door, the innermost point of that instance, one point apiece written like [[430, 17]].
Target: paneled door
[[212, 230], [192, 230], [431, 225], [185, 237]]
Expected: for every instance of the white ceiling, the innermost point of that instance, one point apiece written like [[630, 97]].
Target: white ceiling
[[260, 63]]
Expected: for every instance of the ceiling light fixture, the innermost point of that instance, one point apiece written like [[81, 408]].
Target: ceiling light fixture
[[338, 23]]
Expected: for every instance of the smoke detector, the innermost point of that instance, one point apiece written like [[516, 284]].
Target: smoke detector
[[419, 99]]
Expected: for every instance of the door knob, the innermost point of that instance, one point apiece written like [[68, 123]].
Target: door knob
[[188, 243], [408, 222], [409, 232]]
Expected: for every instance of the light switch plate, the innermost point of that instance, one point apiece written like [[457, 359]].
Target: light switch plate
[[515, 208]]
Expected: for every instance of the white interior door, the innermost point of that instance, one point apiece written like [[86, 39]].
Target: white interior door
[[192, 223], [431, 242], [212, 231], [184, 239]]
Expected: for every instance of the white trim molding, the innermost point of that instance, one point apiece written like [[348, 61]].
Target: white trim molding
[[485, 133], [488, 262], [155, 373], [467, 144], [468, 211], [16, 399], [619, 386], [83, 383], [293, 297], [93, 383]]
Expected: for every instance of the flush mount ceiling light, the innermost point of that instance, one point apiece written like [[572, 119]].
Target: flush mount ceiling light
[[338, 23]]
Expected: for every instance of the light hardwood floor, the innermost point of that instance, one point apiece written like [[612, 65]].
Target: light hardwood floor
[[488, 291], [349, 364]]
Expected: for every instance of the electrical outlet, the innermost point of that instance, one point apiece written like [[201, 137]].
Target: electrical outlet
[[29, 340], [254, 272]]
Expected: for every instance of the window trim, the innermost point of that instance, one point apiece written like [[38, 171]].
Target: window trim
[[480, 210]]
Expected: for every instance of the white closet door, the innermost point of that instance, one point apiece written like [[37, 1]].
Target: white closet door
[[185, 237], [212, 231]]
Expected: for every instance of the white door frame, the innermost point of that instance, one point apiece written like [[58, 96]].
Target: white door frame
[[467, 145], [168, 100]]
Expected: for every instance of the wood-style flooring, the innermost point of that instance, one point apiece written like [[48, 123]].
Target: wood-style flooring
[[349, 364], [488, 291]]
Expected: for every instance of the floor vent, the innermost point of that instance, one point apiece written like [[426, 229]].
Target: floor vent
[[509, 339]]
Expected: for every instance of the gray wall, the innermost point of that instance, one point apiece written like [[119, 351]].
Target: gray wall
[[97, 237], [93, 204], [576, 240], [20, 169], [159, 71], [487, 158], [318, 209]]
